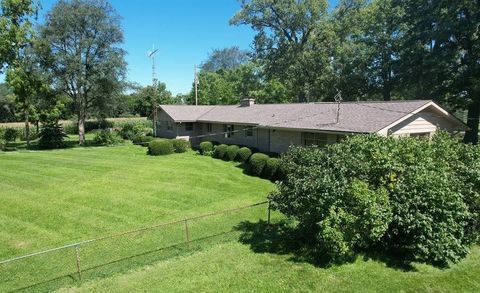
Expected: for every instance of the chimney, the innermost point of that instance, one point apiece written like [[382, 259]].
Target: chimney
[[247, 102]]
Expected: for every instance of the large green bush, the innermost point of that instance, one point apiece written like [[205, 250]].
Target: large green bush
[[219, 151], [160, 147], [417, 198], [180, 145], [232, 152], [107, 137], [257, 163], [133, 129], [244, 154], [143, 140], [206, 148], [52, 136], [272, 168], [10, 134]]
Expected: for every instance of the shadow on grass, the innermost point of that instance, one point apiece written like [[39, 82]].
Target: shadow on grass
[[283, 238]]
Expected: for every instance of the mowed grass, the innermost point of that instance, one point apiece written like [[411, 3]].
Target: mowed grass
[[233, 267], [51, 198]]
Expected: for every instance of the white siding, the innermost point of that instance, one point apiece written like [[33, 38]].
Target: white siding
[[423, 122]]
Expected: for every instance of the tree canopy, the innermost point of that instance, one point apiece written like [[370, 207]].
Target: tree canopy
[[80, 45]]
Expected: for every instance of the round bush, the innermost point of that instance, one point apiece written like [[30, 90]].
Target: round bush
[[180, 145], [143, 140], [244, 154], [271, 168], [232, 152], [10, 134], [160, 147], [219, 151], [206, 147], [257, 163]]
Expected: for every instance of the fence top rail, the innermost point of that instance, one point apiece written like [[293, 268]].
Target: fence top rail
[[128, 232]]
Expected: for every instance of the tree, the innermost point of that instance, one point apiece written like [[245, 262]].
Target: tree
[[29, 84], [441, 54], [140, 102], [15, 28], [7, 103], [81, 48], [287, 41], [227, 58]]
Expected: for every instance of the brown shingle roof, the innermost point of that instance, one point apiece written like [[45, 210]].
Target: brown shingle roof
[[361, 117]]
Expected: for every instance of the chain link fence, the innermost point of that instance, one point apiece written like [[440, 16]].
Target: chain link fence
[[102, 257]]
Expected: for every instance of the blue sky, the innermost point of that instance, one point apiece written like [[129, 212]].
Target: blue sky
[[184, 31]]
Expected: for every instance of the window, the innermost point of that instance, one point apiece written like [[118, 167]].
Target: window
[[189, 126], [249, 131], [169, 125], [318, 139], [209, 127], [228, 129]]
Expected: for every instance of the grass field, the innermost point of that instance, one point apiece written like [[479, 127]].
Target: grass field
[[51, 198], [232, 267]]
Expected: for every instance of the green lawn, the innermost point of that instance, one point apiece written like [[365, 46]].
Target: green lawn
[[51, 198], [232, 267]]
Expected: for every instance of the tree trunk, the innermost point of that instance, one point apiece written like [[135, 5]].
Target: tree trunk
[[27, 128], [471, 136], [81, 127]]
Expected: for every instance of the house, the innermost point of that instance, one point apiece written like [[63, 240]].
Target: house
[[274, 127]]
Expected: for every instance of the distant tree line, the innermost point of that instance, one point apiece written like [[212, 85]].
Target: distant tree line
[[376, 50]]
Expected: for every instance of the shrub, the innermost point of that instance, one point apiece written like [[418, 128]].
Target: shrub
[[232, 152], [133, 129], [52, 136], [10, 134], [257, 163], [143, 140], [206, 148], [90, 125], [160, 147], [180, 145], [219, 151], [107, 137], [272, 168], [244, 154], [417, 198]]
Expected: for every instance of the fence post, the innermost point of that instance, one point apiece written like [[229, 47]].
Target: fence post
[[269, 208], [77, 253], [187, 235]]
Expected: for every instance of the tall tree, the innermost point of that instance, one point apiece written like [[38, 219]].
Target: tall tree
[[287, 41], [441, 55], [81, 41], [15, 28], [227, 58]]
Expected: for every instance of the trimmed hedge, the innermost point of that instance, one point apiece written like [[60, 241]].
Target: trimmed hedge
[[219, 151], [272, 167], [143, 140], [257, 163], [232, 152], [206, 147], [160, 147], [244, 154], [180, 145]]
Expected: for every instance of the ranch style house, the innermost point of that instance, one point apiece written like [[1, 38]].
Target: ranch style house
[[274, 127]]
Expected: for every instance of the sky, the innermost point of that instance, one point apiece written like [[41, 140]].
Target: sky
[[184, 31]]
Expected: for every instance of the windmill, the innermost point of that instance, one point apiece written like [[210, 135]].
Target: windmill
[[151, 55]]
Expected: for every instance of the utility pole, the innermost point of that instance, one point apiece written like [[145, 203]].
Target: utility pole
[[195, 81], [151, 55]]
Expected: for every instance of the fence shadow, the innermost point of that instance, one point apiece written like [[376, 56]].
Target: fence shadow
[[284, 239]]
